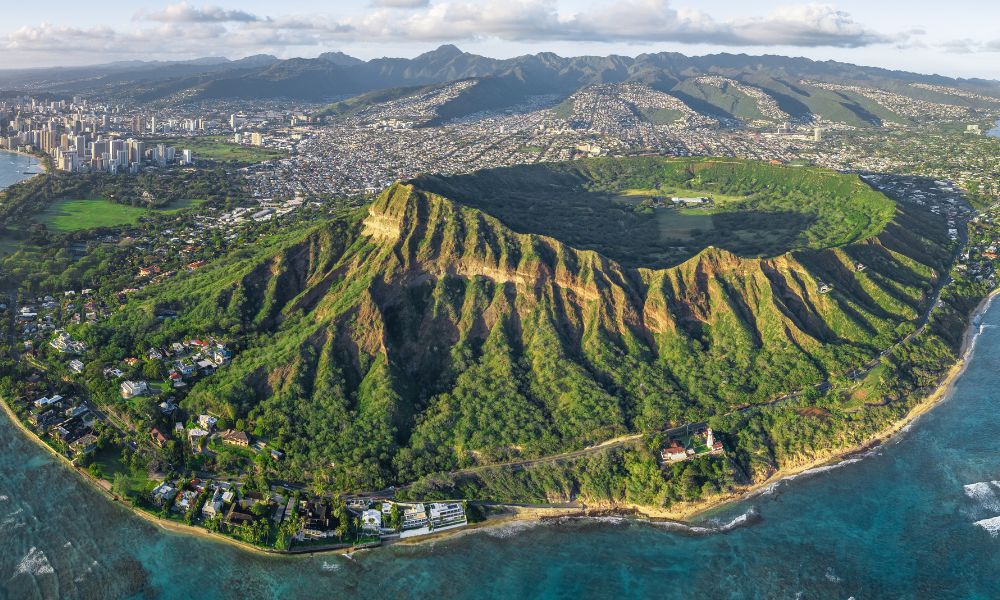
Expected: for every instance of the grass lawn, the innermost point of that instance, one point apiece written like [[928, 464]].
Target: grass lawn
[[110, 461], [75, 215], [220, 149]]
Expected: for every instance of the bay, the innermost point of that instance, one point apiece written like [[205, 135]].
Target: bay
[[917, 518], [16, 167]]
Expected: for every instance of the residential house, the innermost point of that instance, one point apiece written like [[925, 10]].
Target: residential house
[[447, 514], [673, 453], [197, 438], [76, 366], [207, 422], [371, 520], [43, 401], [319, 521], [236, 438], [85, 444], [414, 515], [158, 437], [220, 355], [131, 389], [64, 343], [214, 505], [163, 494]]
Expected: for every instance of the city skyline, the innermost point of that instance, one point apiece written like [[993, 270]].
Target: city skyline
[[920, 39]]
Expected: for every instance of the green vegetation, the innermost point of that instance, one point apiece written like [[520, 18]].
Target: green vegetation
[[220, 149], [661, 116], [724, 99], [538, 347], [758, 209], [424, 339], [74, 215], [355, 104]]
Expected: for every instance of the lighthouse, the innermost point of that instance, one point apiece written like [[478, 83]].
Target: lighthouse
[[709, 439]]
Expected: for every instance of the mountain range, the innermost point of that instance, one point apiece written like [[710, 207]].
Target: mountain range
[[500, 82]]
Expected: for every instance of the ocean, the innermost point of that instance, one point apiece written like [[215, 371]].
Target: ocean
[[13, 167], [995, 132], [917, 518]]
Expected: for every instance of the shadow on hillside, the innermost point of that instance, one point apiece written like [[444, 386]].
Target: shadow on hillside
[[650, 237]]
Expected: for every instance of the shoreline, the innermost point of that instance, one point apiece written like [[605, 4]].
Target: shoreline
[[98, 485], [940, 393], [518, 514], [43, 168]]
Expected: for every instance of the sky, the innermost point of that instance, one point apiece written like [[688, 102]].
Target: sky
[[959, 38]]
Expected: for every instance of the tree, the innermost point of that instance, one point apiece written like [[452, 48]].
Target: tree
[[395, 517]]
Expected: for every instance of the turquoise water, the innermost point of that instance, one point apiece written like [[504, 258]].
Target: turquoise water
[[900, 523], [13, 166]]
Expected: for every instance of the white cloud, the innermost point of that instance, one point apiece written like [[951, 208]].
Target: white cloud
[[182, 12], [190, 30], [807, 25], [401, 3], [969, 46]]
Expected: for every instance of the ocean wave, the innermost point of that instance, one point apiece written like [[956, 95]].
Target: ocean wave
[[831, 576], [824, 468], [771, 488], [330, 566], [876, 451], [711, 527], [985, 494], [606, 519], [4, 498], [34, 563], [82, 576], [11, 521], [992, 525], [511, 529]]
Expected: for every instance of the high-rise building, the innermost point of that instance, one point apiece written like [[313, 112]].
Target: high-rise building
[[136, 151], [80, 145]]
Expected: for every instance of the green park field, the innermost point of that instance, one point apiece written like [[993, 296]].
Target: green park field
[[78, 214], [220, 149]]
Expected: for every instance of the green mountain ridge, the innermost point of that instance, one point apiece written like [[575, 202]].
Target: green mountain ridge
[[427, 335]]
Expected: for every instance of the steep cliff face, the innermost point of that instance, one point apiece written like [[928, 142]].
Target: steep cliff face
[[803, 299], [430, 336]]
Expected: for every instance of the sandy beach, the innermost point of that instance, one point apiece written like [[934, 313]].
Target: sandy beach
[[42, 166]]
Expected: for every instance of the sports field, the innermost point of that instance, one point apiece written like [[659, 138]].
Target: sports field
[[220, 149], [78, 214]]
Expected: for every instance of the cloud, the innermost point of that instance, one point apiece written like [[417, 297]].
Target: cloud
[[182, 12], [639, 21], [62, 39], [969, 46], [401, 3], [188, 28]]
